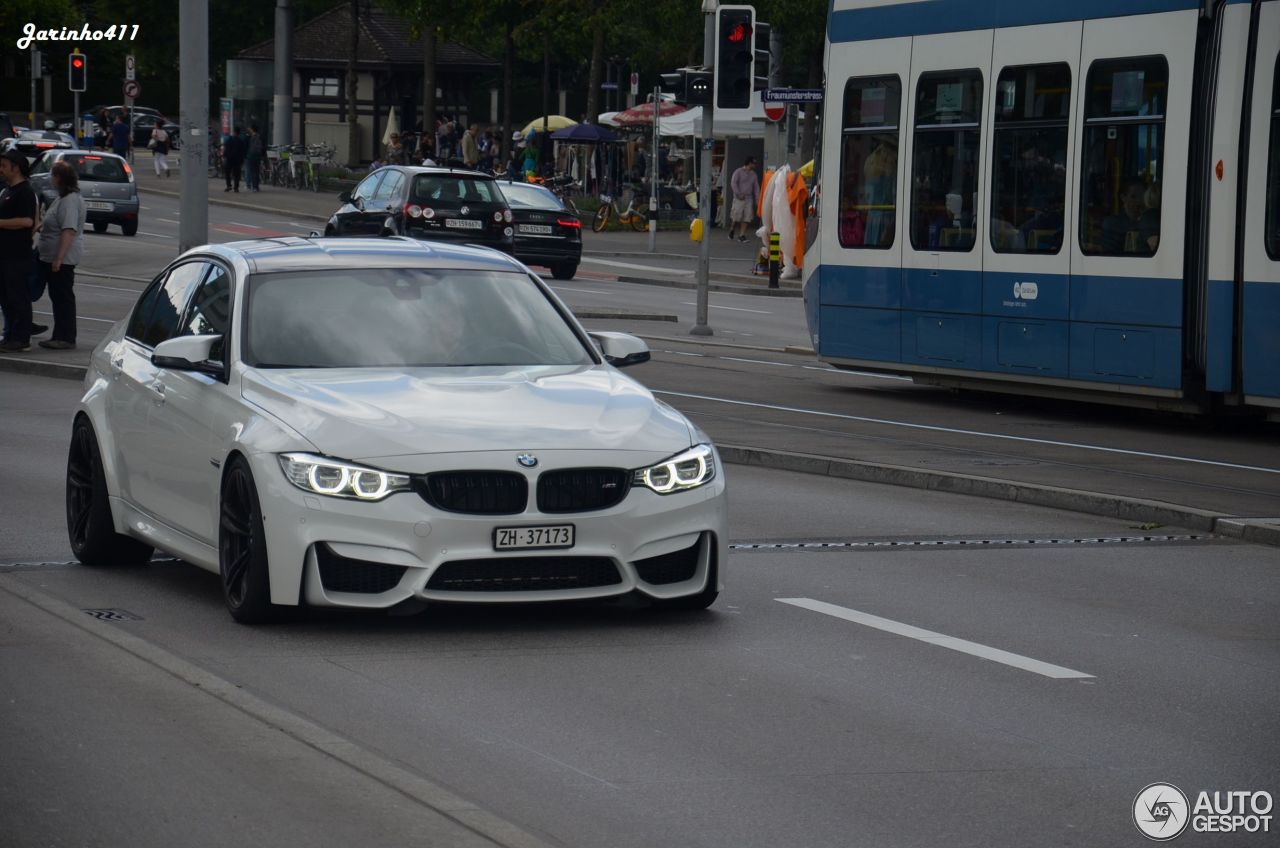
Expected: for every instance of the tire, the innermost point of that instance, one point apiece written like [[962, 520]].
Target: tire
[[564, 270], [90, 529], [242, 549], [130, 228], [638, 222], [99, 227], [601, 220]]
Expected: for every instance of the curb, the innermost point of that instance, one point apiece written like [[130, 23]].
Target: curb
[[240, 204], [1054, 497], [451, 807], [42, 367]]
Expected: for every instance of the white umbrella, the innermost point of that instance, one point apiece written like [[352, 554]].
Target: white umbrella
[[393, 126], [606, 119]]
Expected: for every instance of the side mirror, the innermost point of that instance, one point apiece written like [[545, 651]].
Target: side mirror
[[620, 349], [345, 197], [188, 353]]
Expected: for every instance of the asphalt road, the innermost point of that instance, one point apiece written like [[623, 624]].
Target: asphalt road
[[796, 711]]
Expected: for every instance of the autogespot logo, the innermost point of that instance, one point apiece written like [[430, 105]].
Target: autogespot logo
[[1160, 811]]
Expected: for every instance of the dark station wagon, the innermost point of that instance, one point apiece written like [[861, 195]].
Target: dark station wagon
[[437, 204]]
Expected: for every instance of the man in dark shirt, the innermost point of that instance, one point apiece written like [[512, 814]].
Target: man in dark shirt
[[17, 219], [120, 136], [233, 152]]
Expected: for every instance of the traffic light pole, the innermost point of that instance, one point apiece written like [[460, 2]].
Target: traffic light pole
[[193, 41], [700, 327]]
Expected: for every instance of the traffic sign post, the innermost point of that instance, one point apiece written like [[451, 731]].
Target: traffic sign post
[[132, 90], [792, 95], [129, 68], [635, 83]]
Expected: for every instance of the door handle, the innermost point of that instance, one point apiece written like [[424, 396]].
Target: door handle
[[117, 366], [157, 389]]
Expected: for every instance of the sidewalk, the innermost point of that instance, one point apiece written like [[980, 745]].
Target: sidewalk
[[673, 262]]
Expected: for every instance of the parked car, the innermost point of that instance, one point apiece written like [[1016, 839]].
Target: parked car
[[106, 184], [547, 233], [33, 143], [439, 204], [144, 121], [363, 392]]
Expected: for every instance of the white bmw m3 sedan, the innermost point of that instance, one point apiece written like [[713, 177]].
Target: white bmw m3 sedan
[[360, 423]]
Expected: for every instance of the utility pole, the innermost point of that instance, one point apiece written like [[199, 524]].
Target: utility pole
[[35, 72], [700, 328], [282, 96], [193, 72], [654, 158]]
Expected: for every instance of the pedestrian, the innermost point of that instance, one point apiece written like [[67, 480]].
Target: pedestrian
[[17, 220], [60, 244], [233, 159], [255, 149], [471, 147], [396, 154], [102, 132], [745, 190], [120, 140], [427, 151], [159, 145]]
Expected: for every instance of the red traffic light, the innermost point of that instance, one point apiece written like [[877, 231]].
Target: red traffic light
[[737, 34], [77, 62]]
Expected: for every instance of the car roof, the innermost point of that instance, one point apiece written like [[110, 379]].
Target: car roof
[[84, 151], [304, 254], [439, 169]]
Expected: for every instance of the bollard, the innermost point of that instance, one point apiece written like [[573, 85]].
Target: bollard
[[775, 259]]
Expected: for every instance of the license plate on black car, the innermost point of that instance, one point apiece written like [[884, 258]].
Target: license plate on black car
[[525, 538], [463, 224], [536, 229]]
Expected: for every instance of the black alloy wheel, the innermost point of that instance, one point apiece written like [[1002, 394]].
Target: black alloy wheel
[[242, 549], [90, 528]]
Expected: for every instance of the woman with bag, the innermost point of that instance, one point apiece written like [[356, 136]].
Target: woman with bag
[[159, 145], [60, 244]]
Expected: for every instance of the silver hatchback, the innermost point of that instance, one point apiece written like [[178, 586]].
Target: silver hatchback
[[106, 183]]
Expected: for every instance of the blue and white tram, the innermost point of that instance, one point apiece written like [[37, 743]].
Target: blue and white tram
[[1077, 199]]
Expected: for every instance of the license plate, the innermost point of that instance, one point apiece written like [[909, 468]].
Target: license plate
[[536, 229], [463, 224], [98, 205], [524, 538]]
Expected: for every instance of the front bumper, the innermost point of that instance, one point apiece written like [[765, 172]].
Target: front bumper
[[342, 553]]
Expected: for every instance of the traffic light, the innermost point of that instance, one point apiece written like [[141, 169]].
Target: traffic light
[[44, 65], [674, 83], [735, 56], [763, 57], [691, 86], [77, 71]]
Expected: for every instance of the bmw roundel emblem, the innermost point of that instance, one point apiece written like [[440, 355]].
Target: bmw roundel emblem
[[528, 460], [464, 210]]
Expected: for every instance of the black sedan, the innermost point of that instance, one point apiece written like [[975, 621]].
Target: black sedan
[[547, 233], [437, 204]]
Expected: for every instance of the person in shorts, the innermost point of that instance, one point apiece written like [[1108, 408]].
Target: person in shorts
[[746, 192]]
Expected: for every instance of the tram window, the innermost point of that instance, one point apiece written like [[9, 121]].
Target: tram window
[[1122, 171], [1273, 171], [944, 169], [869, 162], [1029, 172]]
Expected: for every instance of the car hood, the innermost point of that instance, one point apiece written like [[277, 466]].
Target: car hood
[[363, 413]]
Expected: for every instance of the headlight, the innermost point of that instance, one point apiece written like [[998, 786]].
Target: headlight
[[687, 470], [322, 476]]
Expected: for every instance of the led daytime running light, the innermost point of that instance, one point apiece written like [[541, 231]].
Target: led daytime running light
[[687, 470], [323, 476]]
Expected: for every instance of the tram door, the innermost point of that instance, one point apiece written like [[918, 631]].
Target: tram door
[[947, 146], [1029, 200], [1260, 345]]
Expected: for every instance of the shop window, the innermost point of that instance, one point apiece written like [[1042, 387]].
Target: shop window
[[1123, 170]]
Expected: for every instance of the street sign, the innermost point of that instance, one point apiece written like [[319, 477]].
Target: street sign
[[132, 89], [129, 68], [635, 83], [775, 113], [792, 95], [609, 86]]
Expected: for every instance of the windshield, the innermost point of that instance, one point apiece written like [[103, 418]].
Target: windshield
[[446, 189], [530, 197], [380, 318]]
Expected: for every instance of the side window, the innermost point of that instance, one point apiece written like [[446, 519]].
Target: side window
[[1123, 147], [869, 162], [142, 309], [367, 185], [1029, 169], [390, 186], [165, 305], [944, 168], [209, 312], [1273, 171]]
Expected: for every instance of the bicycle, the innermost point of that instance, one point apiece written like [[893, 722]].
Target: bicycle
[[631, 215]]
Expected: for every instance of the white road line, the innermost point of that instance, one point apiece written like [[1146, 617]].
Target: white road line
[[1006, 437], [856, 373], [156, 235], [292, 224], [585, 291], [677, 271], [964, 646], [759, 361], [80, 317], [683, 353], [108, 288], [168, 220], [731, 308]]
